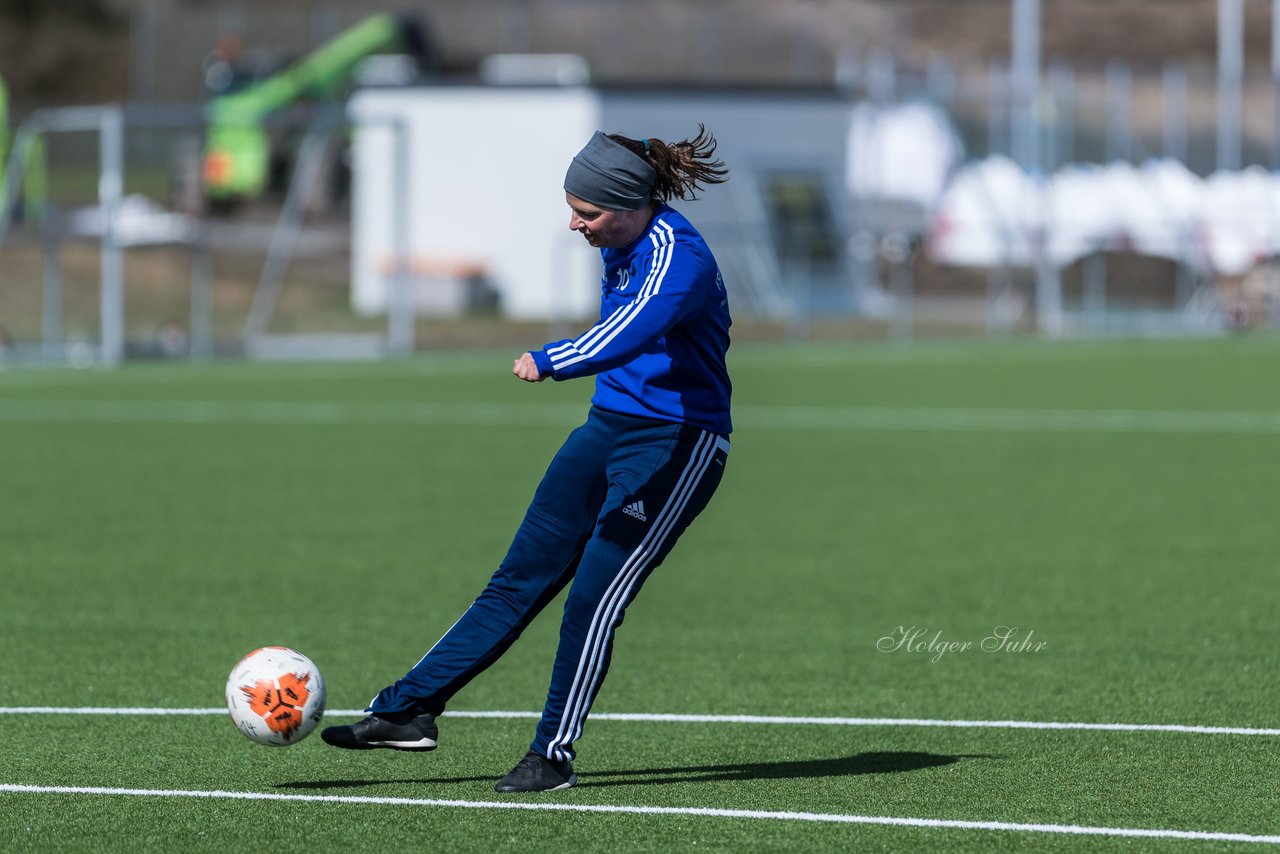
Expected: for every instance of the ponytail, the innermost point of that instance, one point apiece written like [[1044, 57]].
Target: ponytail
[[682, 167]]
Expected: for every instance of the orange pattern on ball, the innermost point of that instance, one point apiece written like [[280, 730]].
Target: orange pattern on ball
[[279, 702]]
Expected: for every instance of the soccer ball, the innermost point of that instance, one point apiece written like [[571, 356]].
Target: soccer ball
[[275, 696]]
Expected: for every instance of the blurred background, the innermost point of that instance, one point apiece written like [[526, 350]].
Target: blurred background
[[293, 179]]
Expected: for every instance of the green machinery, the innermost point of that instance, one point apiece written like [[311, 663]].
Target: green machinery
[[4, 131], [33, 182], [238, 148]]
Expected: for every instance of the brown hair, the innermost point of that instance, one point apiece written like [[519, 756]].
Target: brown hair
[[682, 167]]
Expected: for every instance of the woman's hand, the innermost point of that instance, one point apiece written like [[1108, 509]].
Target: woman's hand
[[527, 369]]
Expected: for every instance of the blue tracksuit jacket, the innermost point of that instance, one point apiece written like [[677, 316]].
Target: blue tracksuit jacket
[[659, 348]]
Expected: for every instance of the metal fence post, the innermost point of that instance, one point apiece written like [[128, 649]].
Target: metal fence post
[[1275, 84], [997, 96], [1230, 78], [400, 308], [1049, 319], [51, 343], [1094, 272], [1025, 91], [200, 342], [1174, 102], [110, 193], [1060, 141], [1119, 81], [898, 253]]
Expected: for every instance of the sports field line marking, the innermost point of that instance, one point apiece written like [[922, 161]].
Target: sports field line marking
[[179, 374], [707, 812], [659, 717], [798, 417]]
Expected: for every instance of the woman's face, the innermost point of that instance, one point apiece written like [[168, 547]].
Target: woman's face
[[606, 229]]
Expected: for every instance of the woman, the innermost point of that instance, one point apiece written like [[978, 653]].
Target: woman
[[626, 483]]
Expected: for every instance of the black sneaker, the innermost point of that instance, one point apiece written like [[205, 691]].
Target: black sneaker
[[396, 730], [537, 773]]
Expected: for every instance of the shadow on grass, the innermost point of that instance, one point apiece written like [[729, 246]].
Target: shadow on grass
[[799, 769]]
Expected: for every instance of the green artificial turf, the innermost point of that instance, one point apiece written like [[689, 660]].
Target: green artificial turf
[[1111, 502]]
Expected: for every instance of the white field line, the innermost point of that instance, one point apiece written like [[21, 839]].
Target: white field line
[[182, 375], [283, 412], [496, 361], [657, 717], [759, 417], [702, 812]]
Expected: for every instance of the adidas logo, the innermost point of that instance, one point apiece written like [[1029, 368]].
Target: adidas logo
[[636, 511]]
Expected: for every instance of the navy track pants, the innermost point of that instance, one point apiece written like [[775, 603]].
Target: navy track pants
[[613, 502]]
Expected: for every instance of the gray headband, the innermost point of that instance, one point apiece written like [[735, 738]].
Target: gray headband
[[610, 175]]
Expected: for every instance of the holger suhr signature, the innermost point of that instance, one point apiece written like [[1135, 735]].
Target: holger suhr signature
[[918, 639]]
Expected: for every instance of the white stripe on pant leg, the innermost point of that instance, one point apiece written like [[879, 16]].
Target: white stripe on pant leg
[[595, 646], [653, 543], [593, 634], [635, 562], [369, 704], [618, 603]]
